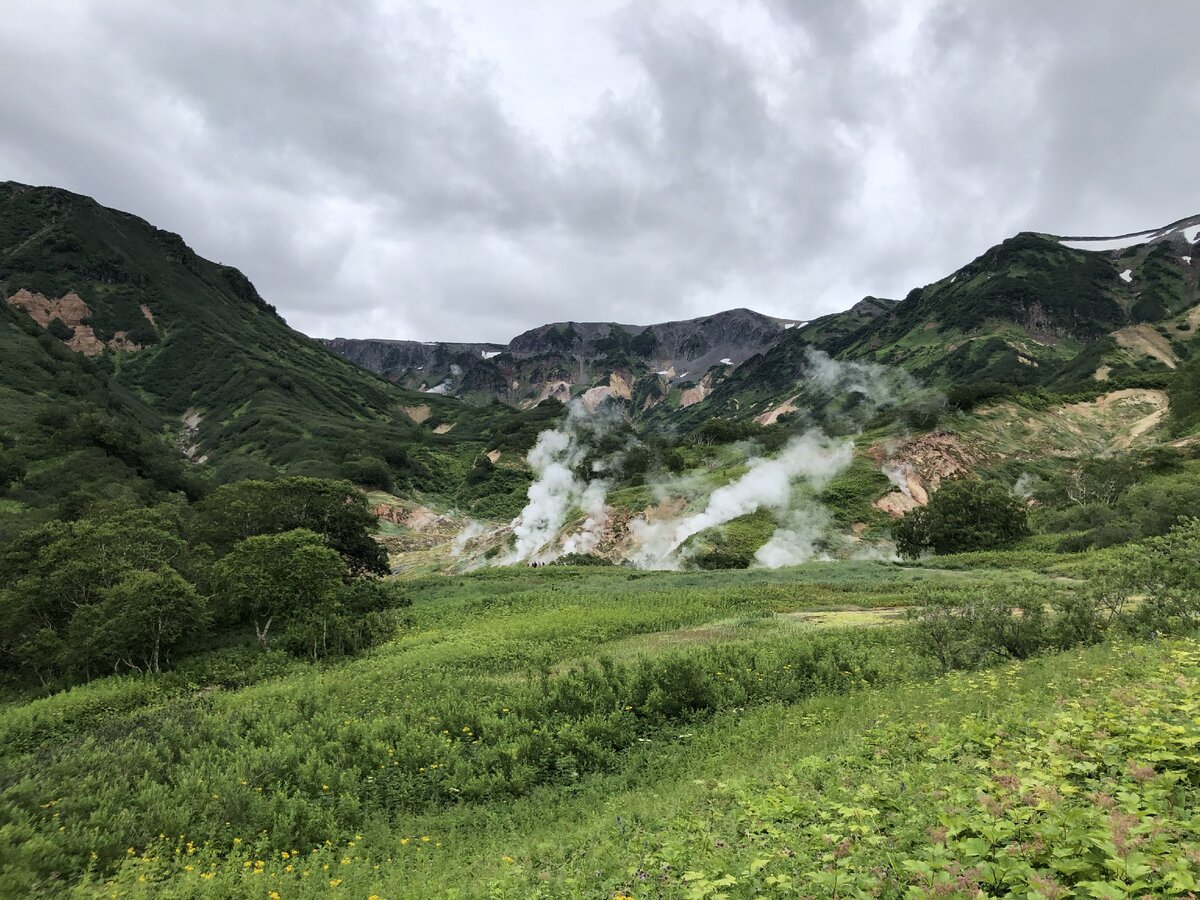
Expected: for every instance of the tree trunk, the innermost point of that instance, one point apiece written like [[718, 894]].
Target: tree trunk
[[263, 631]]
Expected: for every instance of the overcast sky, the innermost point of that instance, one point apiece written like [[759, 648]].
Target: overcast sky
[[468, 169]]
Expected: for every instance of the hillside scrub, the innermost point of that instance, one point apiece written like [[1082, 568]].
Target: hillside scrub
[[135, 588], [1146, 589], [961, 516]]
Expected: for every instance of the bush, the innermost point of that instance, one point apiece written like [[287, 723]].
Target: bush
[[963, 631], [368, 471], [963, 515]]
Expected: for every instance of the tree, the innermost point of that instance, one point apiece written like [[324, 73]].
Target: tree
[[348, 619], [57, 571], [963, 515], [333, 509], [60, 329], [279, 577], [138, 621]]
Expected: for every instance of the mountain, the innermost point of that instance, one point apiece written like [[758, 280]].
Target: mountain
[[1037, 310], [645, 364], [108, 316]]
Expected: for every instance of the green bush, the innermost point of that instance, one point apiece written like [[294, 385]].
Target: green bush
[[962, 515]]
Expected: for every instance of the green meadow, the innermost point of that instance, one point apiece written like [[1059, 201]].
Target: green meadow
[[601, 732]]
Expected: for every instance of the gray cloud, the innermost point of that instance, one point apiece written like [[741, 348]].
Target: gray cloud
[[472, 169]]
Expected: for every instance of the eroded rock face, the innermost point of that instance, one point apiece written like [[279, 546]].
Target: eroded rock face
[[71, 311], [918, 466]]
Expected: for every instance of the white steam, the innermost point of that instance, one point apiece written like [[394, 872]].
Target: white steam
[[768, 484], [557, 491], [470, 530], [795, 541]]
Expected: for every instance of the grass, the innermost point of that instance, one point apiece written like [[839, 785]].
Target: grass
[[511, 690], [881, 789]]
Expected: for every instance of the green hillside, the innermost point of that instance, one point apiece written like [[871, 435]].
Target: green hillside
[[212, 366]]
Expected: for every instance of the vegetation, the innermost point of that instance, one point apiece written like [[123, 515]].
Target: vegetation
[[962, 515], [129, 589], [212, 685]]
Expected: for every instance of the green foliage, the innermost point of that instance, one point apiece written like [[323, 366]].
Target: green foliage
[[850, 494], [332, 509], [969, 629], [60, 329], [283, 577], [1184, 394], [137, 622], [369, 472], [962, 515]]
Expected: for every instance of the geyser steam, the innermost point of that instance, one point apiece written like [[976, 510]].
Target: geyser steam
[[813, 455], [557, 490]]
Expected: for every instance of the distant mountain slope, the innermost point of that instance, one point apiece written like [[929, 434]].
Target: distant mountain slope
[[195, 343], [645, 363], [1036, 310]]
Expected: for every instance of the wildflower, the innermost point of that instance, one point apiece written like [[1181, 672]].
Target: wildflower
[[506, 859], [334, 882], [403, 841], [424, 839], [345, 860], [273, 895]]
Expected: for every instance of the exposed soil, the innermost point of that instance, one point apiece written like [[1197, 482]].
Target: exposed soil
[[71, 311], [1145, 340], [921, 464]]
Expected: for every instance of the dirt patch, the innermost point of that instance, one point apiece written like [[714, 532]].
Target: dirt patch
[[444, 428], [417, 413], [559, 390], [189, 439], [149, 316], [772, 416], [619, 386], [1143, 339], [593, 397], [494, 455], [71, 311], [694, 395]]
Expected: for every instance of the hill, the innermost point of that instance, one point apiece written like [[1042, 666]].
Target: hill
[[189, 350]]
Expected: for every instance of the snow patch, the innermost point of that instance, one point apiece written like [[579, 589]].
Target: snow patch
[[1191, 233], [727, 361], [1099, 244], [1186, 259], [442, 388], [490, 354], [1127, 276]]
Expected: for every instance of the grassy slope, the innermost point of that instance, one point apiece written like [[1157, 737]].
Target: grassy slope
[[436, 732], [80, 433], [1028, 312], [270, 398]]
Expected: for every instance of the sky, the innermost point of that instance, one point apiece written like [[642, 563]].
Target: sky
[[469, 169]]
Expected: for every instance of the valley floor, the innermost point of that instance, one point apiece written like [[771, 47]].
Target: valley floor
[[604, 733]]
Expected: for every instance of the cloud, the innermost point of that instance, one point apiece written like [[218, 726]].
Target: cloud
[[476, 168]]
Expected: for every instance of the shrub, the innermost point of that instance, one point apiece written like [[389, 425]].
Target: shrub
[[962, 631], [963, 515]]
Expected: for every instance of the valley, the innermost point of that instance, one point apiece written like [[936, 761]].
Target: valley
[[895, 602]]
